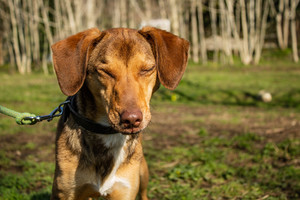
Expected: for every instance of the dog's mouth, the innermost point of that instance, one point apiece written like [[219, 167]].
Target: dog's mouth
[[128, 131], [132, 131]]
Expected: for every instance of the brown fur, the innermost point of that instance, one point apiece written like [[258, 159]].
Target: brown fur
[[111, 72]]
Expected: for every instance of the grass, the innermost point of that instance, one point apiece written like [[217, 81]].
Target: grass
[[230, 86], [207, 139], [227, 168]]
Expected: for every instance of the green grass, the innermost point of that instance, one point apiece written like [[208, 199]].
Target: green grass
[[226, 169], [230, 86], [37, 94], [207, 139]]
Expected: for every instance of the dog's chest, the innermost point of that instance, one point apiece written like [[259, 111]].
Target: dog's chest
[[107, 169]]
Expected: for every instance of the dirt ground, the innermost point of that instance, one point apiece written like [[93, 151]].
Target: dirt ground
[[173, 121], [176, 120]]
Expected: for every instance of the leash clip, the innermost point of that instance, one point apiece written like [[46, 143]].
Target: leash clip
[[55, 113]]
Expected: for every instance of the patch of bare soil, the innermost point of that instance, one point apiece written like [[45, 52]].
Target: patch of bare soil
[[19, 146], [175, 125], [178, 124]]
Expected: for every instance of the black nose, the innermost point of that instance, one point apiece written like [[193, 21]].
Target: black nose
[[131, 118]]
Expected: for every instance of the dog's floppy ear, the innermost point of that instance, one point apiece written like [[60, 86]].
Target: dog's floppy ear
[[171, 54], [70, 58]]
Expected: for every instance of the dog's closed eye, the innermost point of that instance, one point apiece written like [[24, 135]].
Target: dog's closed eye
[[105, 72], [147, 71]]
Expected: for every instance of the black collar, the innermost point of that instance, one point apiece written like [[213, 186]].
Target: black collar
[[84, 122]]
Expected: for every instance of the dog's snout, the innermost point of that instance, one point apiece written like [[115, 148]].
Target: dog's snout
[[131, 118]]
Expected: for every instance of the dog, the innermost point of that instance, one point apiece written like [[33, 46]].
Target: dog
[[110, 77]]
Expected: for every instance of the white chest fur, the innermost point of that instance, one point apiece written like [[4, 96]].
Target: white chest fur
[[116, 143]]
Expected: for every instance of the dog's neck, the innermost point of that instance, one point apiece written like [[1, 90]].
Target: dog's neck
[[87, 106]]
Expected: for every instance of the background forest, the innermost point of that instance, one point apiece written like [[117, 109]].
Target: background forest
[[219, 30]]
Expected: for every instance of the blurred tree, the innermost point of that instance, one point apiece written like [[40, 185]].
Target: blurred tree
[[201, 32], [28, 28], [194, 32], [213, 16], [294, 4], [174, 16]]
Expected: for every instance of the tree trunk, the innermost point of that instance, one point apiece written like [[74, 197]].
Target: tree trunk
[[11, 53], [9, 40], [116, 14], [286, 23], [181, 11], [138, 10], [34, 29], [71, 17], [131, 16], [46, 23], [21, 35], [261, 32], [213, 16], [27, 36], [15, 40], [294, 4], [278, 24], [78, 8], [58, 19], [246, 58], [237, 17], [162, 9], [174, 17], [251, 17], [123, 13], [44, 58], [90, 18], [201, 32], [195, 48], [148, 9], [225, 33], [234, 24]]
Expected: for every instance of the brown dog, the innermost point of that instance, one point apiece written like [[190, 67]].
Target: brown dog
[[111, 75]]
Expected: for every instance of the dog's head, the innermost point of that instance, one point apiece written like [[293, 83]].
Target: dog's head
[[122, 68]]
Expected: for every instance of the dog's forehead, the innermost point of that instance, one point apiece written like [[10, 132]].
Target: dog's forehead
[[122, 44]]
